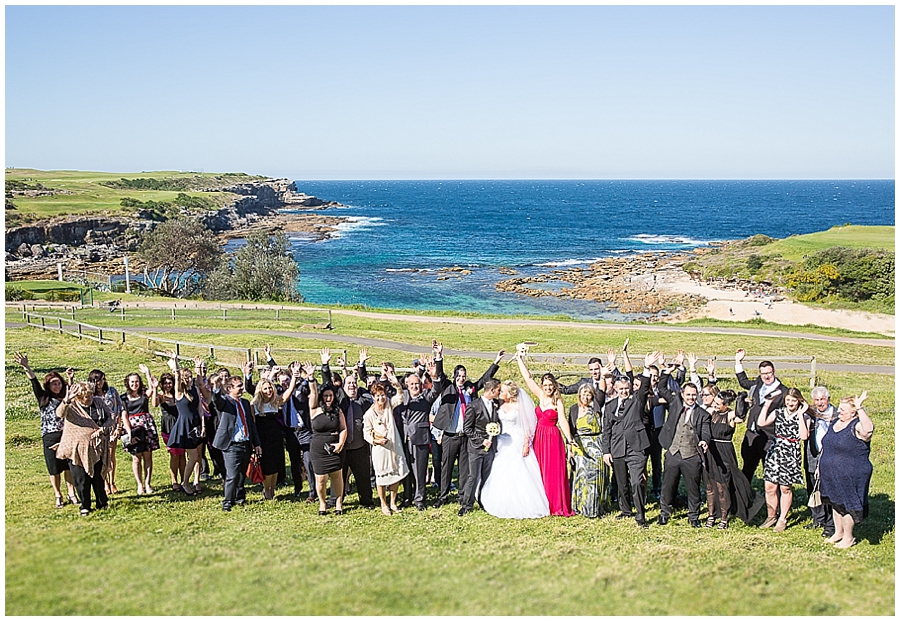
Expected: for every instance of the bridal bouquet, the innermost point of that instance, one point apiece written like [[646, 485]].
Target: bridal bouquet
[[492, 430]]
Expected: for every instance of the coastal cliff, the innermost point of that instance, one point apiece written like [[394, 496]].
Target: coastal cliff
[[100, 241]]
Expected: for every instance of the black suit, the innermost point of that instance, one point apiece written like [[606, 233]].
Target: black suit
[[236, 454], [757, 439], [415, 412], [478, 416], [676, 463], [453, 445], [625, 438], [572, 389]]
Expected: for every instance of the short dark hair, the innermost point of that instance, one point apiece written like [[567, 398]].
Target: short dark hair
[[378, 389], [457, 369], [235, 380], [490, 384], [595, 359], [766, 363], [727, 397]]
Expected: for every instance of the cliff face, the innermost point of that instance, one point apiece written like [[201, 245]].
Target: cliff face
[[253, 201]]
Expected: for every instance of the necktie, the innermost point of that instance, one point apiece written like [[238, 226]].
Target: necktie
[[240, 410], [351, 424], [687, 414], [621, 409], [462, 405]]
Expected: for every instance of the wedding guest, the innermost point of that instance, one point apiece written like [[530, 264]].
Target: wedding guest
[[266, 406], [380, 430], [112, 399], [726, 486], [590, 477], [781, 468], [189, 425], [595, 369], [140, 428], [85, 442], [624, 442], [819, 419], [357, 452], [49, 395], [329, 434], [448, 421], [757, 439], [551, 437], [236, 437], [845, 469], [289, 420], [685, 438], [165, 398]]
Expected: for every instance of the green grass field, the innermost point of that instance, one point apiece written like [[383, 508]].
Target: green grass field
[[88, 196], [851, 236], [165, 554]]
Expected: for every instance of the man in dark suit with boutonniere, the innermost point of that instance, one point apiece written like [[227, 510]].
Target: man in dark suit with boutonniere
[[480, 414], [236, 437]]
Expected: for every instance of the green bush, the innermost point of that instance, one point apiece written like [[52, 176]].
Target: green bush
[[16, 294], [854, 274]]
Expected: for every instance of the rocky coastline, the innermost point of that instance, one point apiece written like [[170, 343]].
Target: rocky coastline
[[98, 243]]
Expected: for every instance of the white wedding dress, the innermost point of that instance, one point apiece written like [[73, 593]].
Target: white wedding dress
[[514, 488]]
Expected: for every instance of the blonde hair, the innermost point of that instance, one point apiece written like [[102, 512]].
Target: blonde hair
[[259, 399], [586, 388], [512, 388]]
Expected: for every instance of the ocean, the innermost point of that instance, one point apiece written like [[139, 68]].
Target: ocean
[[402, 233]]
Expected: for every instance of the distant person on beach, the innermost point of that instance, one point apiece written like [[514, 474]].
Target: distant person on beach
[[757, 438], [49, 395], [455, 398]]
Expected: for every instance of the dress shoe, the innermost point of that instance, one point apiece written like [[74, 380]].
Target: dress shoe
[[420, 506], [226, 507], [695, 523], [462, 512], [828, 533], [624, 516], [643, 523], [663, 519], [810, 526], [438, 504]]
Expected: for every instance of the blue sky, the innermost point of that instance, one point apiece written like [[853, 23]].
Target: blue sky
[[454, 92]]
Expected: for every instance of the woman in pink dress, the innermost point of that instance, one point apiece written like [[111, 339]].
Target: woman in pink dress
[[549, 447]]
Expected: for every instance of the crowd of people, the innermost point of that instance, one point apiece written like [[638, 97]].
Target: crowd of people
[[514, 448]]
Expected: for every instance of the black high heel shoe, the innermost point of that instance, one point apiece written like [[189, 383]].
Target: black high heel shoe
[[323, 512]]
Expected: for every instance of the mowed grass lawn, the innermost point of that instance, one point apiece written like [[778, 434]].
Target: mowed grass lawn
[[166, 554]]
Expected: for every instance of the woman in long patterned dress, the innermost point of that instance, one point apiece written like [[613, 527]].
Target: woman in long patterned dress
[[380, 430], [782, 467], [140, 429], [549, 443], [590, 479], [845, 469], [112, 399]]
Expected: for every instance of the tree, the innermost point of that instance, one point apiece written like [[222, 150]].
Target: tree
[[179, 254], [262, 269]]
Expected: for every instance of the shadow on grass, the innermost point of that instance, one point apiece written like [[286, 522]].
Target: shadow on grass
[[879, 521]]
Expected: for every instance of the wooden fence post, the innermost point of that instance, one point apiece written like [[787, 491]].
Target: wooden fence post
[[224, 314], [42, 323], [329, 319], [79, 330], [812, 372], [100, 334], [123, 313], [59, 324], [177, 350], [173, 313], [276, 314]]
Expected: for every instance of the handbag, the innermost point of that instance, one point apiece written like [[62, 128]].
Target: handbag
[[254, 470]]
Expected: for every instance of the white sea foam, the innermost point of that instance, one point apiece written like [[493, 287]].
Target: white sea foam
[[357, 223], [568, 262], [668, 239]]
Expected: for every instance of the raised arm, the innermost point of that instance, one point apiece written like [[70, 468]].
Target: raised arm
[[202, 385], [173, 366], [865, 427], [742, 378], [526, 375], [313, 388], [490, 371], [765, 418]]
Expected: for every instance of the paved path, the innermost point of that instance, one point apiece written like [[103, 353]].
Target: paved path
[[421, 349]]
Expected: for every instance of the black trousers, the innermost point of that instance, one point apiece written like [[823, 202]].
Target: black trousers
[[436, 460], [418, 466], [690, 469], [753, 451], [295, 452], [358, 461], [84, 482], [454, 448], [237, 458], [821, 515], [480, 462], [655, 459], [631, 468]]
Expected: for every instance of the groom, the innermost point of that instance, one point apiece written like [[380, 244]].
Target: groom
[[481, 449]]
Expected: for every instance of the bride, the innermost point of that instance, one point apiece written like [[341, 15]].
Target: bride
[[514, 488]]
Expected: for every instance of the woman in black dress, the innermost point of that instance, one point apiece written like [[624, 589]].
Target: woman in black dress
[[49, 396], [329, 433], [726, 487], [845, 469], [164, 397], [140, 429], [189, 425], [266, 404]]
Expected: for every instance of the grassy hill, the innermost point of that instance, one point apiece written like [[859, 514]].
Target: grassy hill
[[83, 193]]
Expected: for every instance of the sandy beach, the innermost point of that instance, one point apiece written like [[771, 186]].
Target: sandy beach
[[738, 305]]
